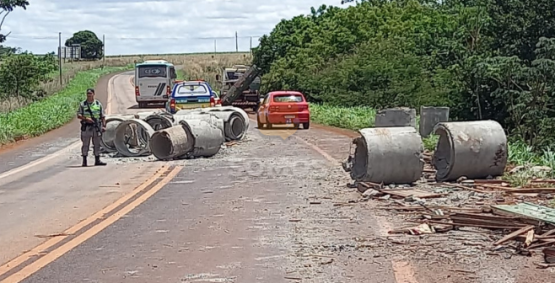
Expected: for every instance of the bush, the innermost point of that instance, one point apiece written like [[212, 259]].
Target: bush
[[483, 59]]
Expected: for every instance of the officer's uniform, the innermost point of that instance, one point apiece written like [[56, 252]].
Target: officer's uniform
[[91, 131]]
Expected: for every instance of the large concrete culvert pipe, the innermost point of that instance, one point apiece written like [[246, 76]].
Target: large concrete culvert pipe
[[123, 141], [234, 125], [240, 111], [169, 143], [206, 137], [159, 121], [475, 149], [207, 117], [390, 155], [112, 122]]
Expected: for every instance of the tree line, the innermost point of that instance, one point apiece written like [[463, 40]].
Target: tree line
[[485, 59]]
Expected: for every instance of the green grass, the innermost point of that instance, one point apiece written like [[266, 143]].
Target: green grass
[[355, 118], [52, 112]]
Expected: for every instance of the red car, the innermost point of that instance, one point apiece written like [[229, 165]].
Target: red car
[[283, 107]]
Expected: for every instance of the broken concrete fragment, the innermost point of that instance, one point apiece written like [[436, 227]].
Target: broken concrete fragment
[[396, 117], [430, 116]]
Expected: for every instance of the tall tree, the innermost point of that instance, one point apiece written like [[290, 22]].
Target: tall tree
[[91, 45], [6, 7]]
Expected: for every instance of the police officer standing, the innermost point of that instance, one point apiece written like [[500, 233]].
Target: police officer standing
[[93, 123]]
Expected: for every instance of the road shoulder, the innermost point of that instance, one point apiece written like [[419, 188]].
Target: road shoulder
[[23, 152]]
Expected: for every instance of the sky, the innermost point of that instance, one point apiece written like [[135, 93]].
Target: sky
[[152, 27]]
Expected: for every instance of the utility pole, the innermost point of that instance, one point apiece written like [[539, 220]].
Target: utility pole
[[250, 49], [236, 43], [103, 51], [60, 57], [215, 47]]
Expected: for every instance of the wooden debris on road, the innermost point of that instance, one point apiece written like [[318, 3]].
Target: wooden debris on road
[[514, 234], [492, 204], [403, 193], [531, 226]]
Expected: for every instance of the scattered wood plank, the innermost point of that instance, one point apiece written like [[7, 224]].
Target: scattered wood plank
[[462, 187], [542, 181], [489, 181], [485, 223], [469, 225], [364, 186], [403, 193], [548, 233], [495, 187], [514, 234], [529, 238], [532, 191], [544, 242], [419, 208]]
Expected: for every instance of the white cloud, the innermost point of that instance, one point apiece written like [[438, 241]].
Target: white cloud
[[193, 26]]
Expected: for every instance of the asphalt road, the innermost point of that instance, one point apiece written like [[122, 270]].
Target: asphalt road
[[272, 208], [56, 193]]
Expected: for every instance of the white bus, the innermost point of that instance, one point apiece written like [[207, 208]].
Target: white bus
[[154, 80]]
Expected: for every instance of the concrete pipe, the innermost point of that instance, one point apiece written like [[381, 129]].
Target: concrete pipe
[[159, 121], [112, 122], [234, 125], [242, 112], [122, 138], [169, 143], [475, 149], [207, 117], [188, 111], [143, 115], [207, 138], [107, 140], [392, 155]]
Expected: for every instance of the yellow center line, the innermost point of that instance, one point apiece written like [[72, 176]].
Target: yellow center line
[[58, 252], [5, 268]]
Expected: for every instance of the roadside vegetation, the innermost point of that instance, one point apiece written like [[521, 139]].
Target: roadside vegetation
[[484, 59], [51, 112]]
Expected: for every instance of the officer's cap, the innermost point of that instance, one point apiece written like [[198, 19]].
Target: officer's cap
[[90, 90]]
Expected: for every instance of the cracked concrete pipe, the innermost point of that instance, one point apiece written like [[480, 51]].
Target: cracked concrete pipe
[[234, 124], [236, 119], [475, 149], [188, 111], [242, 112], [107, 139], [159, 121], [391, 155], [122, 138], [206, 137], [169, 143], [144, 115], [207, 117]]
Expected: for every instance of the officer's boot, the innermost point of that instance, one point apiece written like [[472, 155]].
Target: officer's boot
[[84, 161], [97, 161]]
